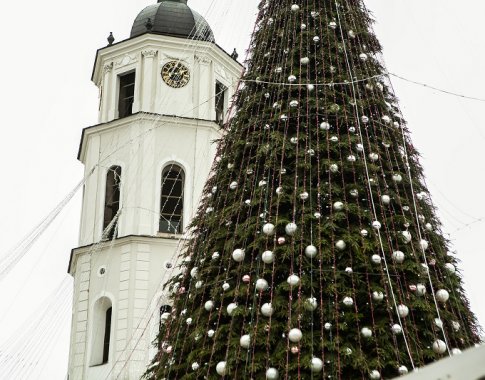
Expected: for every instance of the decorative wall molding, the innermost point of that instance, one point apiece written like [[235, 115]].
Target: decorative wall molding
[[126, 60], [108, 67], [149, 53]]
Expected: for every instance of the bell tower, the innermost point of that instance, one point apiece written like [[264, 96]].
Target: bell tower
[[164, 93]]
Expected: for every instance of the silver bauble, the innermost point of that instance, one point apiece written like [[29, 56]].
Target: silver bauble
[[406, 236], [386, 199], [245, 341], [311, 251], [188, 321], [442, 295], [340, 245], [290, 229], [366, 332], [364, 233], [423, 244], [269, 229], [233, 185], [195, 366], [328, 326], [420, 289], [456, 326], [238, 255], [305, 60], [373, 157], [364, 119], [351, 158], [294, 103], [332, 25], [334, 168], [386, 119], [267, 309], [304, 196], [209, 305], [363, 57], [397, 178], [210, 333], [375, 375], [316, 39], [403, 370], [325, 126], [231, 308], [272, 374], [226, 286], [310, 87], [221, 368], [403, 311], [351, 34], [261, 284], [293, 280], [311, 304], [354, 193], [194, 273], [347, 301], [279, 190], [295, 335], [396, 329], [291, 78], [215, 255], [376, 225], [316, 365], [398, 257], [439, 346], [438, 323], [376, 259], [338, 206], [455, 351], [377, 296], [295, 8], [359, 147]]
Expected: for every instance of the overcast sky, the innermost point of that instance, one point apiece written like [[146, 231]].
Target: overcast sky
[[46, 99]]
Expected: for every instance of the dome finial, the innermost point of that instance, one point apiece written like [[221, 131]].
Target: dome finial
[[149, 24]]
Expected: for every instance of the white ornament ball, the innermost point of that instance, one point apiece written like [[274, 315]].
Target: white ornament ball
[[209, 305], [386, 119], [304, 196], [295, 335], [290, 229], [396, 329], [272, 374], [291, 78], [351, 158], [221, 368], [376, 225], [403, 370], [305, 61], [341, 245], [406, 236], [215, 255], [294, 103], [363, 57], [398, 257], [420, 289], [375, 375], [226, 286], [403, 311], [442, 295], [279, 190], [199, 284], [293, 280], [267, 257], [210, 333], [316, 39], [359, 147], [194, 273], [332, 25], [377, 296], [231, 308], [295, 8], [456, 326], [316, 364], [233, 185], [376, 259], [366, 332], [334, 168], [328, 326], [261, 284], [269, 229], [428, 226], [311, 251], [347, 301], [450, 268], [188, 321], [364, 233], [338, 206], [310, 87], [267, 310], [325, 126], [311, 304], [438, 323], [245, 341], [424, 244], [386, 199], [439, 346], [456, 351], [349, 270], [397, 178], [352, 34], [364, 119], [373, 157], [238, 255], [195, 366]]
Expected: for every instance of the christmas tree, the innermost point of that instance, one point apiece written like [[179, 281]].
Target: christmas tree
[[316, 252]]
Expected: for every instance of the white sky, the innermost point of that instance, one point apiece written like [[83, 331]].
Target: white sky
[[46, 99]]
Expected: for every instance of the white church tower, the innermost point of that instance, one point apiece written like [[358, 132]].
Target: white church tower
[[163, 95]]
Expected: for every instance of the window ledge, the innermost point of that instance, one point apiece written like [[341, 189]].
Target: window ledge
[[167, 235]]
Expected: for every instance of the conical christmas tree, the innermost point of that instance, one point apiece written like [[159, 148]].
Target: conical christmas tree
[[317, 252]]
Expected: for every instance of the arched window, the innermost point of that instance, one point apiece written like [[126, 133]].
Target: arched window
[[101, 331], [111, 199], [172, 199]]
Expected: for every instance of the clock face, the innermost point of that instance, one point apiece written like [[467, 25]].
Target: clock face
[[175, 74]]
